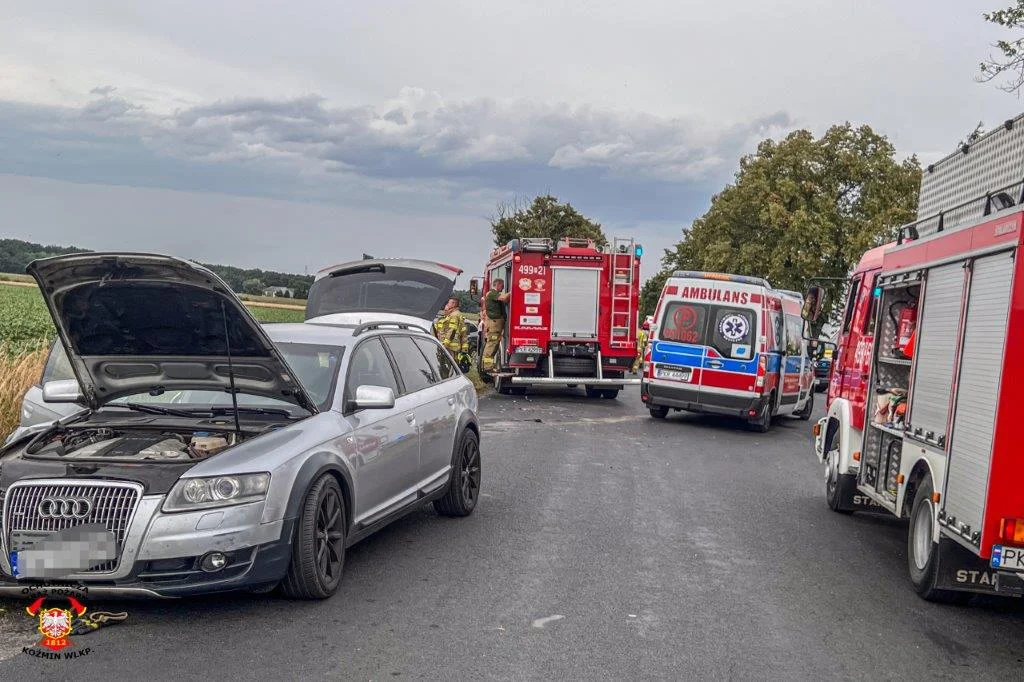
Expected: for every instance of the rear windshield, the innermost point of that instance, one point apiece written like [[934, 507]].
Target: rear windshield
[[379, 288], [728, 330]]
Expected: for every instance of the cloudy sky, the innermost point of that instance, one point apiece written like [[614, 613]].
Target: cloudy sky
[[294, 135]]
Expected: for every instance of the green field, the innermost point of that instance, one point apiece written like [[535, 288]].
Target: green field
[[25, 322]]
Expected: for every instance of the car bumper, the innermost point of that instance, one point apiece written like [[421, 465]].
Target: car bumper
[[691, 399], [161, 554]]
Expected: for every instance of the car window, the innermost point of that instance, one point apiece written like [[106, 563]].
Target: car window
[[851, 304], [370, 366], [733, 332], [414, 369], [57, 367], [438, 358], [683, 322], [316, 367], [794, 335]]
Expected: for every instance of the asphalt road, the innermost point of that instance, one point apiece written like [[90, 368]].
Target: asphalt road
[[607, 546]]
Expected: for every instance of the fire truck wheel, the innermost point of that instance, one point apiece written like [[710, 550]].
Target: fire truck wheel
[[923, 552], [659, 411], [517, 390], [836, 484], [464, 485], [593, 392], [610, 393], [805, 413], [502, 386]]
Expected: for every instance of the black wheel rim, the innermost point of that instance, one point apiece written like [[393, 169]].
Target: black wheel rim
[[330, 536], [469, 474]]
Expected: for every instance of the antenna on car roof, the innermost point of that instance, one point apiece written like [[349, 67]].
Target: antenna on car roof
[[231, 368]]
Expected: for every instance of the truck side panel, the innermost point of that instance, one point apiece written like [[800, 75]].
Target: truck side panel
[[978, 389]]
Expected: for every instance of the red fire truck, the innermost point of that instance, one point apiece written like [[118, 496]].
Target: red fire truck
[[922, 414], [571, 316]]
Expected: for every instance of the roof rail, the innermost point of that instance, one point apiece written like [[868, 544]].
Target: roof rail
[[372, 326]]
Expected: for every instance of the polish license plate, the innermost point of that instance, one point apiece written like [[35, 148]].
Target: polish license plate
[[1008, 558], [672, 374], [56, 555]]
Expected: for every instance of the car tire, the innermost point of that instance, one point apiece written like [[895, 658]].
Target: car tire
[[764, 422], [658, 411], [923, 553], [464, 484], [318, 552], [808, 408], [610, 393]]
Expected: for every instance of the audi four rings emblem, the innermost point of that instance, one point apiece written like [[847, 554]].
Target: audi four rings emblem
[[64, 507]]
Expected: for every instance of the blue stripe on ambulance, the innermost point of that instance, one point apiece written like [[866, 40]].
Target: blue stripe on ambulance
[[686, 355]]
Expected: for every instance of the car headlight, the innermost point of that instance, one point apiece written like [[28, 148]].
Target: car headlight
[[216, 491]]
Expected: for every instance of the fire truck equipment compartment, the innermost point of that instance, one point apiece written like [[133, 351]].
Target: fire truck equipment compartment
[[574, 303]]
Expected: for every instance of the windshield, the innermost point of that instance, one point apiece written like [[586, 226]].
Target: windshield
[[315, 366], [728, 330], [379, 288]]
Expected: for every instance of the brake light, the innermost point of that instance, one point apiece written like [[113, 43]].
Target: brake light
[[762, 368], [1011, 530]]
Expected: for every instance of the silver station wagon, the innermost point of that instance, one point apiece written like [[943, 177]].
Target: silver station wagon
[[214, 453]]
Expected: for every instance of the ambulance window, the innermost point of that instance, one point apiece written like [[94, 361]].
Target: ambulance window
[[794, 335], [778, 332], [851, 304], [869, 322], [733, 332], [683, 322]]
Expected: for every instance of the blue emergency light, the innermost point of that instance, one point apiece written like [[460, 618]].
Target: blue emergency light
[[878, 291]]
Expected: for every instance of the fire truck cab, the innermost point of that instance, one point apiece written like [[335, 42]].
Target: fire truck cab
[[571, 315], [728, 344], [922, 419]]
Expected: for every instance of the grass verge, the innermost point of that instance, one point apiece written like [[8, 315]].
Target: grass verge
[[19, 369]]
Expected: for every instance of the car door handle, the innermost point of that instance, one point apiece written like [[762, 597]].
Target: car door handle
[[411, 417], [714, 364], [451, 400]]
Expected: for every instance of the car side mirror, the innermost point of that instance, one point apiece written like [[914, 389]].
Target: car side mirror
[[62, 391], [374, 398], [474, 287], [814, 301]]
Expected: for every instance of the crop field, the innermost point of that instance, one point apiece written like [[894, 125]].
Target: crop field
[[26, 331]]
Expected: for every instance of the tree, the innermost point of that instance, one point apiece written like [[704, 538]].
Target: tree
[[805, 208], [1010, 63], [467, 303], [544, 217], [253, 286]]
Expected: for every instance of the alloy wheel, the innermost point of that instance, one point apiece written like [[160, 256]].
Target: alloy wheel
[[329, 537]]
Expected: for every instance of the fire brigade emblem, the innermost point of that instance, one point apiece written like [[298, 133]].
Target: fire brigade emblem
[[525, 283], [538, 284], [733, 328]]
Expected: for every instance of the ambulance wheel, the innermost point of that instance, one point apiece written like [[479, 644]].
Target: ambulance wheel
[[923, 551], [610, 393], [805, 413], [764, 422], [658, 411]]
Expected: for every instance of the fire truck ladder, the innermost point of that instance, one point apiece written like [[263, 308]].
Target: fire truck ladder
[[622, 279]]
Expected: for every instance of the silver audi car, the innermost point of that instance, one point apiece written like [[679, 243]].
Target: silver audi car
[[217, 454]]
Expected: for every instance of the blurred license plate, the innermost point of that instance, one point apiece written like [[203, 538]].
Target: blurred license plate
[[672, 374], [1008, 558], [56, 555]]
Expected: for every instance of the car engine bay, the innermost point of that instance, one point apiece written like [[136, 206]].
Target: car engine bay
[[106, 443]]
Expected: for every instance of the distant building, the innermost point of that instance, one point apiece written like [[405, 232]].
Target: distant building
[[280, 292]]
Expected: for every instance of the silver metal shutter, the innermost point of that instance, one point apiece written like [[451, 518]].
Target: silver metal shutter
[[936, 350], [978, 391], [574, 301]]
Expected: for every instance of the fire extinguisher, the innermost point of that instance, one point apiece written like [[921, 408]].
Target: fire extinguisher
[[906, 323]]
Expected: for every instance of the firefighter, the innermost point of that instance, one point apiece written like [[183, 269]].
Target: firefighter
[[450, 330], [494, 313], [641, 345]]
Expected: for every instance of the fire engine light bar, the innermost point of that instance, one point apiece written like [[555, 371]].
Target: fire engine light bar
[[1011, 530]]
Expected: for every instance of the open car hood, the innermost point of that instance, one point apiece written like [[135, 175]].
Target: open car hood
[[378, 289], [141, 323]]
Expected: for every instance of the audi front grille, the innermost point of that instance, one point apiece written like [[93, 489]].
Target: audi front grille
[[110, 504]]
